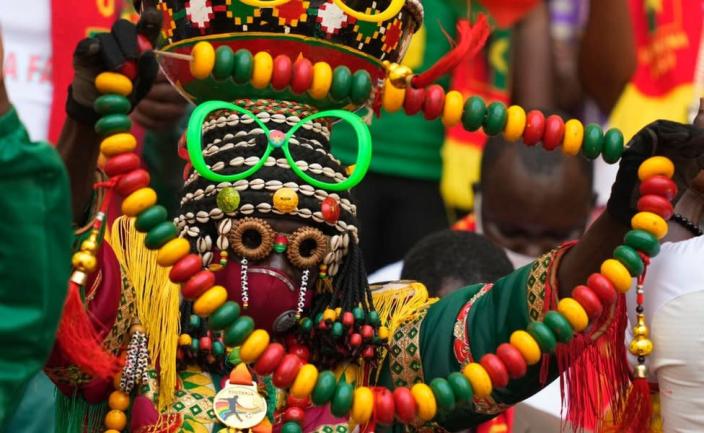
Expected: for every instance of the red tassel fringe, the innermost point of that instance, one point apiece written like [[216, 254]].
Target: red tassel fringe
[[636, 415], [470, 40], [595, 376], [79, 341]]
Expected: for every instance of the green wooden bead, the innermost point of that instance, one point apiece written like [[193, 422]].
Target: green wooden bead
[[291, 427], [613, 146], [195, 344], [358, 314], [474, 113], [244, 65], [442, 391], [337, 329], [195, 321], [559, 326], [630, 259], [306, 324], [643, 241], [461, 387], [150, 217], [218, 348], [228, 199], [342, 400], [374, 318], [236, 333], [224, 316], [361, 87], [543, 336], [160, 235], [112, 124], [496, 116], [324, 388], [112, 104], [341, 83], [593, 141], [224, 62]]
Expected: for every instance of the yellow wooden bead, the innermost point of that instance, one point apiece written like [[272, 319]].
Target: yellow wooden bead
[[383, 332], [184, 340], [515, 123], [172, 251], [119, 400], [322, 80], [305, 381], [574, 313], [427, 406], [328, 314], [285, 200], [263, 67], [392, 97], [478, 378], [138, 201], [656, 165], [574, 135], [118, 143], [116, 419], [211, 300], [527, 345], [651, 223], [202, 60], [112, 82], [362, 405], [111, 431], [615, 272], [254, 345], [452, 111]]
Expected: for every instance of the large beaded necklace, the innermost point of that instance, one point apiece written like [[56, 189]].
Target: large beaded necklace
[[304, 382]]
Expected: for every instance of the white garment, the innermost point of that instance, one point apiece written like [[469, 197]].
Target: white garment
[[674, 307], [26, 32]]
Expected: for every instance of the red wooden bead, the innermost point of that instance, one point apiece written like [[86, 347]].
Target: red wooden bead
[[413, 100], [330, 208], [302, 75], [293, 401], [535, 128], [496, 369], [656, 204], [355, 340], [367, 332], [659, 185], [185, 268], [286, 372], [434, 102], [513, 360], [554, 132], [132, 181], [198, 284], [368, 352], [640, 298], [129, 69], [405, 405], [281, 72], [589, 300], [121, 164], [294, 414], [300, 351], [205, 343], [347, 318], [383, 406], [603, 289], [269, 359]]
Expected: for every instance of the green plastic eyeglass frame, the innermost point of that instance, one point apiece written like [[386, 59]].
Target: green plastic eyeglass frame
[[194, 146]]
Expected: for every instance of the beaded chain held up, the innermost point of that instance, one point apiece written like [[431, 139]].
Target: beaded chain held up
[[421, 401]]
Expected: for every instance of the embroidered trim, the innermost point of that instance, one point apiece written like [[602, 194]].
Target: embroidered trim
[[460, 346], [405, 358]]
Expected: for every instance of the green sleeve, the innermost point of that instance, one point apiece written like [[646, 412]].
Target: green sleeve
[[35, 255]]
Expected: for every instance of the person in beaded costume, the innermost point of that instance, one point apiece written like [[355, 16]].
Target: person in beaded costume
[[283, 249]]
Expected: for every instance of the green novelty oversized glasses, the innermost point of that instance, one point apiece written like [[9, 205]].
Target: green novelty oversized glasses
[[276, 140]]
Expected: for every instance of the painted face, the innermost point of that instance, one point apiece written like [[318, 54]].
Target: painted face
[[529, 214], [275, 274]]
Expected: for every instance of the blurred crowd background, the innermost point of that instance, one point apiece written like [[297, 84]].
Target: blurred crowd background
[[443, 206]]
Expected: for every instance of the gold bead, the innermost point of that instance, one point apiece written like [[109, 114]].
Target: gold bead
[[399, 75], [136, 328], [640, 329], [641, 346], [640, 372], [84, 261], [89, 246]]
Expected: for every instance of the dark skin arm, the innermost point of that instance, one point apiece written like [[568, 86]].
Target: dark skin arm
[[607, 57]]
